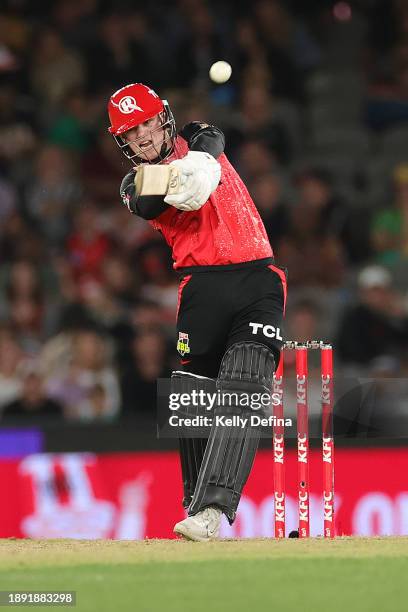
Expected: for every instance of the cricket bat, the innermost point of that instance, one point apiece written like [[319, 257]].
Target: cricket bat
[[157, 180]]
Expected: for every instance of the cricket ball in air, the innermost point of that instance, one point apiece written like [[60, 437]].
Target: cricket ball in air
[[220, 72]]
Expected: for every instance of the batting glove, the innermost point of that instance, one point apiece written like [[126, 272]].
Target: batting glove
[[199, 176]]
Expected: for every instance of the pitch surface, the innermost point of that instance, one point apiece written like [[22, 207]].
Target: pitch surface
[[343, 575]]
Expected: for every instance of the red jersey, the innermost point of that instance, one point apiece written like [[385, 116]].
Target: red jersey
[[227, 229]]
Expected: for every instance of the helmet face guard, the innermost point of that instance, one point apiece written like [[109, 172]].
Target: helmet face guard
[[141, 156]]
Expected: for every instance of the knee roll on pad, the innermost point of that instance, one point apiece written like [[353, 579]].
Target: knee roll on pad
[[247, 366], [186, 382]]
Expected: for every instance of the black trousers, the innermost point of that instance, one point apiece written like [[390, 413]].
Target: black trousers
[[222, 305]]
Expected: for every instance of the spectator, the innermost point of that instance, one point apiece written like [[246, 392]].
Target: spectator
[[288, 49], [126, 50], [17, 126], [31, 312], [19, 241], [119, 280], [71, 129], [200, 45], [389, 229], [97, 303], [284, 30], [33, 404], [92, 302], [266, 191], [254, 159], [334, 215], [146, 315], [53, 194], [250, 52], [55, 69], [10, 357], [8, 199], [311, 249], [102, 170], [75, 20], [304, 321], [387, 100], [87, 386], [315, 191], [147, 363], [160, 282], [377, 325], [258, 122], [88, 244], [129, 233]]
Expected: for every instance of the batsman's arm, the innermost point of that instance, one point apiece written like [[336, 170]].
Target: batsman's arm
[[187, 183], [146, 206], [204, 137], [143, 193]]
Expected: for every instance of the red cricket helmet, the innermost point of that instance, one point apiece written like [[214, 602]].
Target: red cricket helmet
[[131, 106]]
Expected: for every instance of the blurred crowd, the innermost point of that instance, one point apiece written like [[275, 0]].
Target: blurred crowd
[[316, 122]]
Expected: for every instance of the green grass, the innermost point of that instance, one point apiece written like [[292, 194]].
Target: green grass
[[343, 575]]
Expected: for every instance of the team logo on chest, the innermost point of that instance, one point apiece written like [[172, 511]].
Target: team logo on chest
[[183, 344]]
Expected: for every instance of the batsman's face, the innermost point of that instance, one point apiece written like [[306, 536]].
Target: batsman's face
[[146, 140]]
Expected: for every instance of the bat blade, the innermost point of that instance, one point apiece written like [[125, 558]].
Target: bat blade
[[156, 180]]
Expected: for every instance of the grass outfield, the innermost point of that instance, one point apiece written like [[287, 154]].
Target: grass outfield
[[343, 575]]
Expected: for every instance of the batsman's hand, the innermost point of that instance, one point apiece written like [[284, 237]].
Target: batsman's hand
[[208, 163], [199, 175]]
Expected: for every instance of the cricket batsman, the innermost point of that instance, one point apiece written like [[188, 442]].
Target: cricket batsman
[[231, 295]]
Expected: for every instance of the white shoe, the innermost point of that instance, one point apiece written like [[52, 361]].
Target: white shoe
[[201, 527]]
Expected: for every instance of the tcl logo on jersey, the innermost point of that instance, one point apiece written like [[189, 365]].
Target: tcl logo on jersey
[[268, 330]]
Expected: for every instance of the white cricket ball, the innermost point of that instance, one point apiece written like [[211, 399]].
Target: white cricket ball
[[220, 72]]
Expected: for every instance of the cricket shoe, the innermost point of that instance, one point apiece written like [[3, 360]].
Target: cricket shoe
[[202, 527]]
